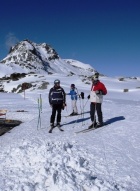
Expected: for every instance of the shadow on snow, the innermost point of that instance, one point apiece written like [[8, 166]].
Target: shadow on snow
[[108, 121], [77, 121], [115, 119]]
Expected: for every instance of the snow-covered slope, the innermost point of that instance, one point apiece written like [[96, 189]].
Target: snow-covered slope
[[106, 159]]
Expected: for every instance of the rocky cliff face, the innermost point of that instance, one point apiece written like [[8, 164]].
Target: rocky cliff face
[[29, 62], [27, 56], [30, 56]]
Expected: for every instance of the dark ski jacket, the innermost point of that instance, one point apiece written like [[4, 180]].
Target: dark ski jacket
[[57, 96]]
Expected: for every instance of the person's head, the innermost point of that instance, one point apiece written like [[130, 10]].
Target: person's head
[[56, 83], [72, 86], [95, 77]]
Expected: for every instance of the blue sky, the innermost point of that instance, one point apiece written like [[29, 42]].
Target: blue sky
[[102, 33]]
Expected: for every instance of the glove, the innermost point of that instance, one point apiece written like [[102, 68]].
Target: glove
[[88, 96], [82, 95], [63, 106], [98, 92]]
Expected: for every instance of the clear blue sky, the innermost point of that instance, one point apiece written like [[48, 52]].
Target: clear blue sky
[[102, 33]]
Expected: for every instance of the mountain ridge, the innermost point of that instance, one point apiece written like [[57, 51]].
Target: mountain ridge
[[27, 56], [32, 63]]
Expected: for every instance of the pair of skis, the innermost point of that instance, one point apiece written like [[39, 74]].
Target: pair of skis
[[81, 131], [90, 129], [85, 130], [51, 129]]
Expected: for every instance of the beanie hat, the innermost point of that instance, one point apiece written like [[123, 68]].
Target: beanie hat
[[72, 85]]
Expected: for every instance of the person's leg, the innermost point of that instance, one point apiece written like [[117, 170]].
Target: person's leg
[[92, 115], [92, 112], [52, 119], [72, 107], [59, 109], [75, 106], [99, 113]]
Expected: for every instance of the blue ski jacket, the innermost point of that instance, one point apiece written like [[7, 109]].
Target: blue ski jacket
[[73, 94]]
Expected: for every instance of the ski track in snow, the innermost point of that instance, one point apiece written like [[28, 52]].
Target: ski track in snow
[[106, 159]]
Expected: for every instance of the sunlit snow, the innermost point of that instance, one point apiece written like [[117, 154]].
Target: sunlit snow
[[106, 159]]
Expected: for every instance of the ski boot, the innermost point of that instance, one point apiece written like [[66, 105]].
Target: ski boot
[[59, 126], [52, 126], [75, 113], [71, 114], [93, 125], [99, 124]]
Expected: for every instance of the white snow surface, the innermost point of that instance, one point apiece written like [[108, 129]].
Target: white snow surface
[[105, 159]]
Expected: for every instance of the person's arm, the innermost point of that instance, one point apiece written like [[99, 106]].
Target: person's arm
[[64, 96], [76, 91], [104, 90], [68, 93]]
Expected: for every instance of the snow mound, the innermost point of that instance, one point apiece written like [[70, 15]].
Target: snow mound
[[35, 166]]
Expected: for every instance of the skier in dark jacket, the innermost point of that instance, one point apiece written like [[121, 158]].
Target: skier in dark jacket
[[57, 100], [98, 89]]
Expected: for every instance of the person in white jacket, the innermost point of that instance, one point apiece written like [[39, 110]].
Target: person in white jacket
[[98, 89]]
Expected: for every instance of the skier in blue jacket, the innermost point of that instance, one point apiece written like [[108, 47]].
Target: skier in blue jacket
[[73, 94]]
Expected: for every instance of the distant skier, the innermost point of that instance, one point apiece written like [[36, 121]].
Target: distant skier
[[57, 100], [73, 93], [98, 89]]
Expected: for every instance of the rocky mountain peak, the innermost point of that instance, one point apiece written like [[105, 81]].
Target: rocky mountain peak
[[28, 60], [27, 56], [31, 56], [22, 46]]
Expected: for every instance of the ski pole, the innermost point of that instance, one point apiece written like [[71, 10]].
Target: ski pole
[[40, 103], [80, 105], [83, 110], [40, 111], [82, 96], [79, 99], [67, 110], [38, 124], [86, 103]]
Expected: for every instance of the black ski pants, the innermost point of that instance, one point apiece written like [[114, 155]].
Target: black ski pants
[[56, 108], [93, 108]]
